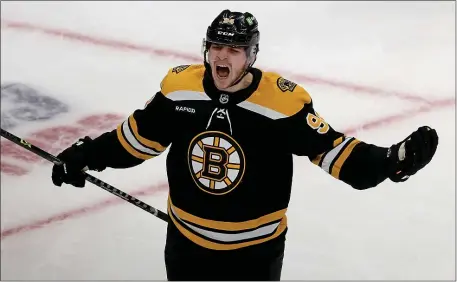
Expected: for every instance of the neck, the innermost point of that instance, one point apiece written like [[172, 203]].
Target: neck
[[242, 84]]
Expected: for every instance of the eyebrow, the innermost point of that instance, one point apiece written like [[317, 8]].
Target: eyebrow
[[232, 47]]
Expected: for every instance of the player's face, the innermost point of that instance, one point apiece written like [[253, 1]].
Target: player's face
[[227, 64]]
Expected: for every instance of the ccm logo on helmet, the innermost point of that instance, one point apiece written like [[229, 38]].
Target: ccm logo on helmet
[[225, 33]]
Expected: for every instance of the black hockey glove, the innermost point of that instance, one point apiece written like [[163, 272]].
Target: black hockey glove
[[412, 154], [75, 159]]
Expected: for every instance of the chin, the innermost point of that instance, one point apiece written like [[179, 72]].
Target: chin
[[222, 84]]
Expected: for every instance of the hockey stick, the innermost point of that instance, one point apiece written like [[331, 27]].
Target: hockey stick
[[45, 155]]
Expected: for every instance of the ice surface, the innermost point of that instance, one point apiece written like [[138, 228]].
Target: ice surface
[[394, 231]]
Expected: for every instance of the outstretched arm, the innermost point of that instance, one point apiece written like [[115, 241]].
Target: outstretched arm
[[357, 163], [145, 134]]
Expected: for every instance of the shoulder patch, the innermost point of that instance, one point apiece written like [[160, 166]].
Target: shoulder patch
[[179, 69], [271, 98], [285, 84]]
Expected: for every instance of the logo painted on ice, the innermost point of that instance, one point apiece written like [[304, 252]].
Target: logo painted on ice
[[22, 103]]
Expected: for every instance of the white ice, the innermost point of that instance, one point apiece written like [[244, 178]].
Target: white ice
[[393, 231]]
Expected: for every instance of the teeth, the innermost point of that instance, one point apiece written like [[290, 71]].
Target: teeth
[[222, 66]]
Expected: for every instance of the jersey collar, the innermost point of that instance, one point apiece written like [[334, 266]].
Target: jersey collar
[[223, 98]]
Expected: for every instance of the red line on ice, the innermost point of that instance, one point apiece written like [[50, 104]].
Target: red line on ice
[[152, 190], [444, 103], [80, 211], [72, 35], [424, 105]]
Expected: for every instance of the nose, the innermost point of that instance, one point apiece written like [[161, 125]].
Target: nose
[[222, 54]]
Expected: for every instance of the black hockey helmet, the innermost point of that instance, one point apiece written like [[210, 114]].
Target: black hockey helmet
[[234, 29]]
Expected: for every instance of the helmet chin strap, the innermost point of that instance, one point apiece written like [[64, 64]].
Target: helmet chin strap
[[246, 69], [243, 74]]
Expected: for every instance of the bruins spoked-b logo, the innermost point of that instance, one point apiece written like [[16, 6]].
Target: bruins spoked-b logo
[[216, 162]]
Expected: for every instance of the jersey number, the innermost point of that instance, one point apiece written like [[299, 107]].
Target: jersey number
[[316, 122]]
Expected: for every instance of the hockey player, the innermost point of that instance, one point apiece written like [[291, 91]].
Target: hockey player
[[232, 130]]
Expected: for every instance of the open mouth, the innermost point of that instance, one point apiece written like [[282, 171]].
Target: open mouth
[[222, 71]]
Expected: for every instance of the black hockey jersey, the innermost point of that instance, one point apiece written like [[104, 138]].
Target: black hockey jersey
[[230, 163]]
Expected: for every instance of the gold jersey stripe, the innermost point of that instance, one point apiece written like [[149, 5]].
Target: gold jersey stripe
[[342, 158], [317, 159], [129, 148], [337, 142], [228, 226], [268, 95], [151, 144], [188, 80], [217, 246]]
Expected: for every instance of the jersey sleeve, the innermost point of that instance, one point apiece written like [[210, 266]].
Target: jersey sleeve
[[145, 134], [358, 164]]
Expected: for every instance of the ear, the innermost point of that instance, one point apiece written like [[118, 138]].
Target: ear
[[251, 55]]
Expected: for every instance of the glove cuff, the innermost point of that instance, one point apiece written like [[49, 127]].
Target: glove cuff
[[89, 150], [396, 167]]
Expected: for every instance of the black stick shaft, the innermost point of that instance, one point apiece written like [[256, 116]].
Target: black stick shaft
[[36, 150]]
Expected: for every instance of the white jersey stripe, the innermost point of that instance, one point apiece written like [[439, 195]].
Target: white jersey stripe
[[134, 142], [232, 237], [327, 161]]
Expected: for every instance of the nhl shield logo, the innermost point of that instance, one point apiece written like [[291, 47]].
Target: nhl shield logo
[[224, 98]]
